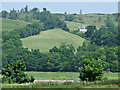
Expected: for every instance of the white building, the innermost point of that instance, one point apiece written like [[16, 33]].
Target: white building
[[82, 29]]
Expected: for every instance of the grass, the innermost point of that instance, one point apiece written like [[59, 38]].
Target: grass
[[9, 24], [74, 25], [54, 75], [50, 38], [67, 84], [75, 85], [64, 75]]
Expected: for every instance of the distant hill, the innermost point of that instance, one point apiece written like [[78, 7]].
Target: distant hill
[[10, 24], [48, 39], [96, 19]]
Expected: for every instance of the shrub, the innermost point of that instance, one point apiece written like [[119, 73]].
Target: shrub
[[14, 73], [91, 70]]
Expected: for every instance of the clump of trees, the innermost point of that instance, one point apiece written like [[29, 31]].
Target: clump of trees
[[105, 36], [49, 21], [63, 58], [90, 30], [14, 73], [109, 23]]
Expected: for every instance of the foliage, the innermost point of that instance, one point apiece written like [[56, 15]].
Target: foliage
[[91, 70], [13, 14], [69, 18], [65, 57], [50, 21], [109, 22], [90, 30], [14, 73], [4, 14], [74, 85], [105, 36]]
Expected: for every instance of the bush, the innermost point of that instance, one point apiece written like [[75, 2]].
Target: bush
[[14, 73], [91, 70]]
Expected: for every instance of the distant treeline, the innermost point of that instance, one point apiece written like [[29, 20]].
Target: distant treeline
[[49, 21]]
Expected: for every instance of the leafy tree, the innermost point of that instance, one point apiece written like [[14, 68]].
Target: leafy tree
[[99, 19], [4, 14], [14, 73], [80, 12], [69, 18], [65, 13], [44, 9], [90, 30], [27, 18], [109, 22], [13, 14], [91, 70], [26, 8], [105, 36], [35, 10]]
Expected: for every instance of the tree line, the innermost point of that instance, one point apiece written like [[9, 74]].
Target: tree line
[[63, 58], [49, 21]]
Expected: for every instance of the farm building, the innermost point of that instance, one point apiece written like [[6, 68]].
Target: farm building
[[82, 29]]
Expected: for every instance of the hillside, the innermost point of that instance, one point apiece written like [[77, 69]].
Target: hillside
[[48, 39], [74, 25], [88, 19], [9, 24]]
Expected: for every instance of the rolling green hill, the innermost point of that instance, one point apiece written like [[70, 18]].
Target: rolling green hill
[[48, 39], [88, 19], [9, 24]]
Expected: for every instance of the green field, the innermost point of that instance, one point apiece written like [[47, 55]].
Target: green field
[[75, 85], [64, 75], [74, 25], [9, 24], [50, 38]]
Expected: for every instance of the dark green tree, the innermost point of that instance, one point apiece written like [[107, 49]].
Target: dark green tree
[[26, 8], [91, 70], [4, 14], [44, 9], [13, 14], [14, 73], [90, 30], [109, 22], [80, 12]]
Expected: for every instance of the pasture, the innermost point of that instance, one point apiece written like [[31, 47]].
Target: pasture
[[73, 26], [10, 24], [68, 84], [64, 75], [50, 38]]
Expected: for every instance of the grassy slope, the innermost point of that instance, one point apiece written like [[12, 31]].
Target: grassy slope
[[9, 24], [74, 25], [48, 39]]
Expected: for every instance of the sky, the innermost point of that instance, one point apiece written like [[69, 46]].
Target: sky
[[69, 7], [59, 0]]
